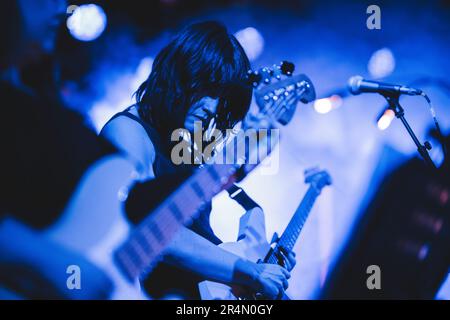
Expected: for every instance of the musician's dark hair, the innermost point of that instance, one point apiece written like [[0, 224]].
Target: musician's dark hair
[[202, 60]]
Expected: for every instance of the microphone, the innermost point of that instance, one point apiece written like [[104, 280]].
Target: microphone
[[358, 84]]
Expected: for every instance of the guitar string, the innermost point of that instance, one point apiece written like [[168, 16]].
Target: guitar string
[[300, 216], [296, 224]]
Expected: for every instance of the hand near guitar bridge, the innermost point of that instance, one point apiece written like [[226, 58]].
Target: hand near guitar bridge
[[270, 281], [267, 280]]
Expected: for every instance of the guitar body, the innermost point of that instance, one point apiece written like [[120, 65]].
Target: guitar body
[[94, 224], [252, 245]]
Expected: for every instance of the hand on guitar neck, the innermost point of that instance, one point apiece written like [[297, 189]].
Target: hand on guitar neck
[[286, 258], [269, 280], [287, 262], [253, 246]]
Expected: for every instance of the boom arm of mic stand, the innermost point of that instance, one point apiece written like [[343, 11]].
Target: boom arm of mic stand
[[394, 104]]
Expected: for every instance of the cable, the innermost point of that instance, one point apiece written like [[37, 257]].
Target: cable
[[440, 136]]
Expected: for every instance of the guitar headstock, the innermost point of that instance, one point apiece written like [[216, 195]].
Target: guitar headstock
[[278, 91], [317, 178]]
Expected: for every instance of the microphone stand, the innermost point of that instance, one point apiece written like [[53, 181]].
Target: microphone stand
[[394, 104]]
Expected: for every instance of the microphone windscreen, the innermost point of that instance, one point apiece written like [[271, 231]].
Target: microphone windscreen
[[354, 84]]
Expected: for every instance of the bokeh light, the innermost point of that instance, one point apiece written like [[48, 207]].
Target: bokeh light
[[382, 63], [386, 119], [87, 22]]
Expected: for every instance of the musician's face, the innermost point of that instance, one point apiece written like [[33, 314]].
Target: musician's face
[[204, 110], [41, 20]]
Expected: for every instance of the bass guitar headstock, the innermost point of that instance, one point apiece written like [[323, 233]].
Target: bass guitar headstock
[[278, 91]]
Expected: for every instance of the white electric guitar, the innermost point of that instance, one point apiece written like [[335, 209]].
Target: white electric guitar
[[94, 223], [252, 243]]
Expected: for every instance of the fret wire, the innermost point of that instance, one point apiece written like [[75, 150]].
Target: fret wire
[[169, 213], [140, 252], [173, 203], [198, 190], [126, 263], [147, 238], [137, 253], [176, 212], [158, 247], [292, 231]]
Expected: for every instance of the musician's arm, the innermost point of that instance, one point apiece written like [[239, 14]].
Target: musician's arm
[[130, 138], [192, 252]]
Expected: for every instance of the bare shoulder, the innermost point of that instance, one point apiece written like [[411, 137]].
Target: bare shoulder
[[130, 137]]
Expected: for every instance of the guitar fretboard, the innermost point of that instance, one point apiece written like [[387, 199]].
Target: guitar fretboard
[[295, 226]]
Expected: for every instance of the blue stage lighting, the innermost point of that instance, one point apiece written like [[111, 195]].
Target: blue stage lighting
[[87, 22], [382, 63], [252, 41]]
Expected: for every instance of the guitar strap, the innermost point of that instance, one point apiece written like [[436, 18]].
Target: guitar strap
[[240, 196]]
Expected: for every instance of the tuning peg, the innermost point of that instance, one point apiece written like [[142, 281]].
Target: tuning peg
[[287, 68], [254, 77]]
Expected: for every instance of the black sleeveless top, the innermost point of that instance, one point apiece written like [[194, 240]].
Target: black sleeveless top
[[166, 280]]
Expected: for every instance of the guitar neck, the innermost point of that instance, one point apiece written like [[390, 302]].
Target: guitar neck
[[295, 226], [144, 245]]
